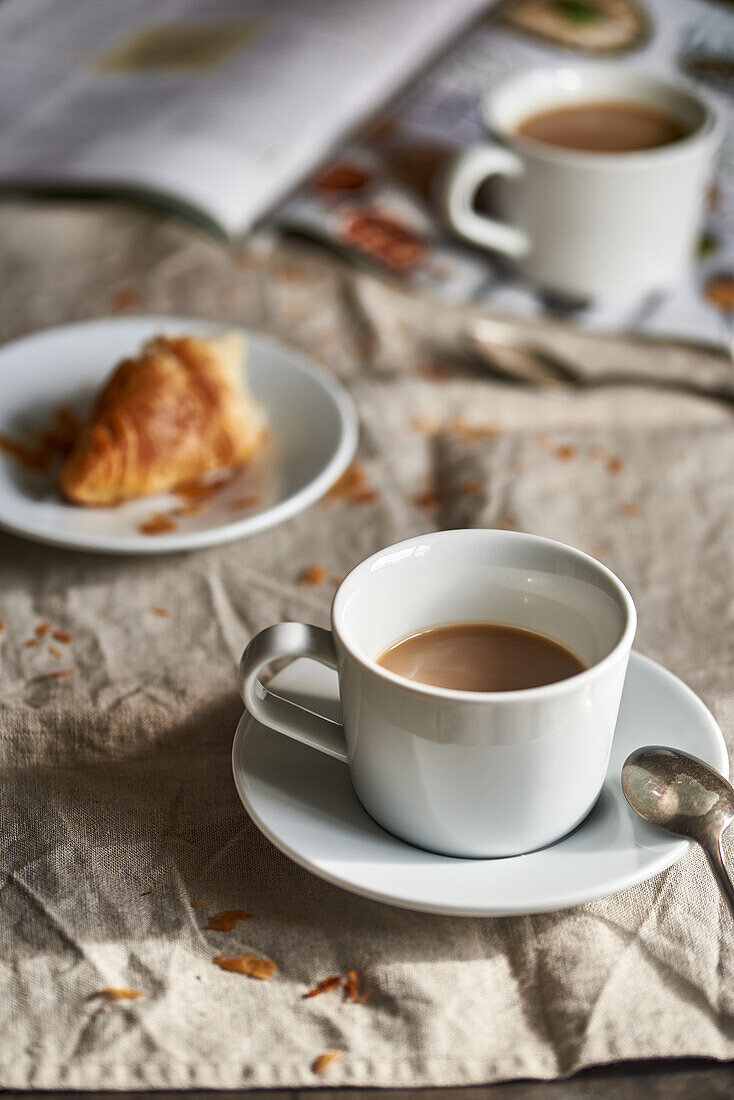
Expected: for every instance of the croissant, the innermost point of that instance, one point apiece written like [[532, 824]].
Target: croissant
[[175, 412]]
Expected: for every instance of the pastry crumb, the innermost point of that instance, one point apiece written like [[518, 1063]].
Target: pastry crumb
[[364, 496], [251, 965], [566, 452], [200, 490], [161, 612], [352, 990], [157, 524], [119, 993], [314, 574], [227, 919], [63, 637], [352, 481], [324, 986], [629, 509], [126, 297], [470, 432], [352, 487], [428, 500], [326, 1059]]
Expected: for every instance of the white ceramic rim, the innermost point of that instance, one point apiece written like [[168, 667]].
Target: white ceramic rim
[[709, 131], [223, 533], [479, 698]]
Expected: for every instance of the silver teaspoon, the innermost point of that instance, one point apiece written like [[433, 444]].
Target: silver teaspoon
[[680, 793]]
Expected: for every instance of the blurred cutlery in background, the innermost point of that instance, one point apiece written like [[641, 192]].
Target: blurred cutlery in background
[[516, 354]]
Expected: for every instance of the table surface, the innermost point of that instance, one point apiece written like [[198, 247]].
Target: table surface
[[666, 1080], [656, 1080]]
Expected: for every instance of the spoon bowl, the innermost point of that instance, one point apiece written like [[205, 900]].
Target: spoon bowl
[[685, 796]]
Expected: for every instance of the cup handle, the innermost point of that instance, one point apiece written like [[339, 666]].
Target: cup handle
[[272, 644], [464, 176]]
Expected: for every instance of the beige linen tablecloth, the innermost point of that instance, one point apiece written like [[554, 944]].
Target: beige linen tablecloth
[[118, 807]]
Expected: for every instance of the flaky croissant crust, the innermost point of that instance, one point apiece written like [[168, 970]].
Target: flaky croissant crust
[[175, 412]]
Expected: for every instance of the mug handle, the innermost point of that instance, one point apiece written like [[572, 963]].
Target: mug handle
[[272, 644], [464, 176]]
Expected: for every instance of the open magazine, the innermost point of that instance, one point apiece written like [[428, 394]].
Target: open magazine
[[218, 107]]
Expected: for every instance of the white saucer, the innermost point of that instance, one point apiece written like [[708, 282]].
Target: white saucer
[[303, 802], [314, 429]]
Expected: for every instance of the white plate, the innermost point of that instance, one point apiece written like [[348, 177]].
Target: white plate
[[314, 429], [304, 803]]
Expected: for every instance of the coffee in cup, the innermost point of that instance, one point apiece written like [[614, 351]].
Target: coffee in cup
[[480, 657]]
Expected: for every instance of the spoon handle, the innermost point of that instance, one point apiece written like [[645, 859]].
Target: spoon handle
[[715, 855]]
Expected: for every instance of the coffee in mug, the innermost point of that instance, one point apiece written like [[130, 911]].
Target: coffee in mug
[[603, 127], [480, 657]]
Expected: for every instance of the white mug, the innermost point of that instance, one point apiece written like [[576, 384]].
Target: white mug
[[473, 774], [581, 224]]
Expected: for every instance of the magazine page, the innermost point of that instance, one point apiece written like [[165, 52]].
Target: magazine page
[[222, 105]]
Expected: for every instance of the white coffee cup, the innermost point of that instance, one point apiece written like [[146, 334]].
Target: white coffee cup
[[587, 225], [473, 774]]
